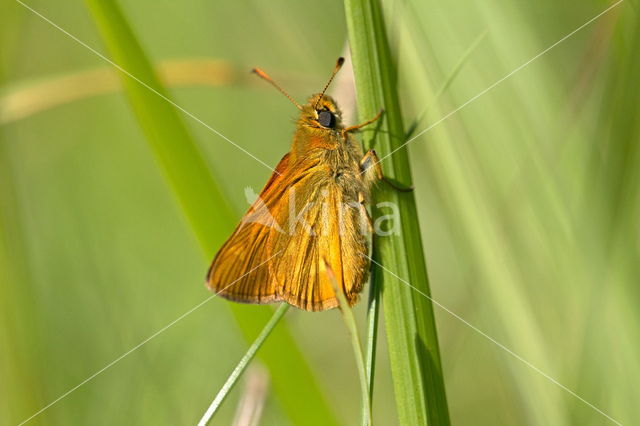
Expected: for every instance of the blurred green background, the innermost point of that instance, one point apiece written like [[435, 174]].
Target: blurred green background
[[529, 201]]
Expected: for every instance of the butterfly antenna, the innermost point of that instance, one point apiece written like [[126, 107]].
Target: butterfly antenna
[[263, 75], [333, 74]]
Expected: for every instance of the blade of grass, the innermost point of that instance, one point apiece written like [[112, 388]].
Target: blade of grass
[[411, 330], [350, 323], [19, 313], [242, 365], [204, 205], [447, 82], [373, 313], [199, 195], [28, 98], [458, 66]]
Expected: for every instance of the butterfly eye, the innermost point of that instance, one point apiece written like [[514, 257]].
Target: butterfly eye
[[326, 119]]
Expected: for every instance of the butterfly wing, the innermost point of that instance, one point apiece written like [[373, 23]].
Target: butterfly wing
[[240, 270], [301, 217], [319, 219]]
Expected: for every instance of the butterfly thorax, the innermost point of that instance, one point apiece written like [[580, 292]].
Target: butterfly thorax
[[320, 141]]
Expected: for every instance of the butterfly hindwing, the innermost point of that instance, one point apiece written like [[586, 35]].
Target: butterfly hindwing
[[318, 222]]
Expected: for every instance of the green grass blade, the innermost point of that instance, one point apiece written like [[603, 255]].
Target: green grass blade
[[350, 323], [373, 313], [411, 330], [242, 365], [16, 301], [176, 151], [447, 82], [203, 204], [458, 66]]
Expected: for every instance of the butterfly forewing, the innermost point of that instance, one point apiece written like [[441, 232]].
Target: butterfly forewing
[[240, 271]]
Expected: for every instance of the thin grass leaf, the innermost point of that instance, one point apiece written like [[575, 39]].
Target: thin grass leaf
[[373, 313], [411, 330], [203, 204], [242, 365], [16, 301], [447, 82], [350, 323]]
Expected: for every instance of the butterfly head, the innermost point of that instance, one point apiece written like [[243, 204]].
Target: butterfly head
[[321, 112]]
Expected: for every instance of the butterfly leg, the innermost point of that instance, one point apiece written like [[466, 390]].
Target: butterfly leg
[[370, 164], [372, 171], [366, 123], [364, 214], [397, 185], [370, 167]]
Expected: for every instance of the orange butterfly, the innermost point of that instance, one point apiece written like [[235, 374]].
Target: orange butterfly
[[311, 210]]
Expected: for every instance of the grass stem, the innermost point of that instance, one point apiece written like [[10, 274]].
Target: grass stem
[[242, 365]]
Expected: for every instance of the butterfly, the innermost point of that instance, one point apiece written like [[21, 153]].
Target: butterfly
[[310, 214]]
